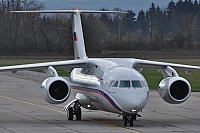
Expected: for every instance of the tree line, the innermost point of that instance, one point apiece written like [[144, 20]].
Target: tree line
[[174, 27]]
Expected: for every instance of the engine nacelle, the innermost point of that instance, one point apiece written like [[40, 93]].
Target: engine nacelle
[[174, 90], [55, 90]]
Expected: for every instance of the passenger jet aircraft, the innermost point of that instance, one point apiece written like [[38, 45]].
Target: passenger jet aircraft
[[108, 84]]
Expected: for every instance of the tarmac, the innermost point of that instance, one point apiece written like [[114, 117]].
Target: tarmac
[[23, 110]]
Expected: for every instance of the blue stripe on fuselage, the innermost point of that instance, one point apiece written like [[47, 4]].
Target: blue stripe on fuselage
[[99, 92]]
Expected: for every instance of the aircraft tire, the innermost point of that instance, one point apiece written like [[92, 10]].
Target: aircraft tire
[[70, 114], [131, 123], [133, 117], [125, 120], [78, 114]]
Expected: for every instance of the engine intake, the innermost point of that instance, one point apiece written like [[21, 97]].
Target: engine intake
[[55, 90], [174, 90]]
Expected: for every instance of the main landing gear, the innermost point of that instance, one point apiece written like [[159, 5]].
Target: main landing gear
[[129, 119], [76, 110]]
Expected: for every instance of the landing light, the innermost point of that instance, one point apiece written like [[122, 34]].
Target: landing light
[[88, 106], [133, 110]]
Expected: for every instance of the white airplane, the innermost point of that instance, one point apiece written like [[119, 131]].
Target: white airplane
[[108, 84]]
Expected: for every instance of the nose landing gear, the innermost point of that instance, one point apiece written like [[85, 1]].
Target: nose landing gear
[[129, 119]]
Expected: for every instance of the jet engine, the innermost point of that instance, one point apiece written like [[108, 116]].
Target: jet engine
[[174, 90], [55, 90]]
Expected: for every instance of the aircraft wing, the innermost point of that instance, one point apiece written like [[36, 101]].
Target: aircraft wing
[[65, 64], [161, 65]]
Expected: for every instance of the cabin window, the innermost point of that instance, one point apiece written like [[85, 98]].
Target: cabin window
[[125, 83], [137, 84]]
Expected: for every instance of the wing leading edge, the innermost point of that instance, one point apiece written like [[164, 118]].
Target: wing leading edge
[[65, 64], [162, 65]]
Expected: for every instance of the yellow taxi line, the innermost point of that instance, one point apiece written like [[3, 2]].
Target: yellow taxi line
[[32, 104]]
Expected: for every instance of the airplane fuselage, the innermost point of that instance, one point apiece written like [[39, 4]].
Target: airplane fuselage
[[119, 89]]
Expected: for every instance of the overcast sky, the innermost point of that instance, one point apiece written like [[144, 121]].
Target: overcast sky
[[135, 5]]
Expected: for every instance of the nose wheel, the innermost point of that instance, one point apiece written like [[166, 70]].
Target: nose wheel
[[129, 119]]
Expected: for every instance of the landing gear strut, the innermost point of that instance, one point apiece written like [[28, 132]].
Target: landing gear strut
[[129, 119], [76, 110]]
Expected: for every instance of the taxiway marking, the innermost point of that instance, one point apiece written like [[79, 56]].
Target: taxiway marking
[[36, 105]]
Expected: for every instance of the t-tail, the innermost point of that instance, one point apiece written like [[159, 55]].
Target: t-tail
[[78, 38]]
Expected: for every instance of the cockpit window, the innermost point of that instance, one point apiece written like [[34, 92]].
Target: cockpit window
[[110, 84], [115, 84], [137, 84], [144, 83], [124, 83], [127, 83]]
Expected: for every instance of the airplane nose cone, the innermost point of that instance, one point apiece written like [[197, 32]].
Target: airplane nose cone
[[136, 101]]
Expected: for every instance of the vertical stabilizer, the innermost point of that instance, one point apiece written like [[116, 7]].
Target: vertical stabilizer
[[79, 45]]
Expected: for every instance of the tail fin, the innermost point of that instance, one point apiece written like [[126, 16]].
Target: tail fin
[[79, 45]]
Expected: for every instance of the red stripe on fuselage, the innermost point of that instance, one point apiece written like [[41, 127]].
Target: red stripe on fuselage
[[98, 92]]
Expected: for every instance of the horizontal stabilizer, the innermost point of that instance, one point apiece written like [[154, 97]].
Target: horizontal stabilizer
[[71, 11]]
